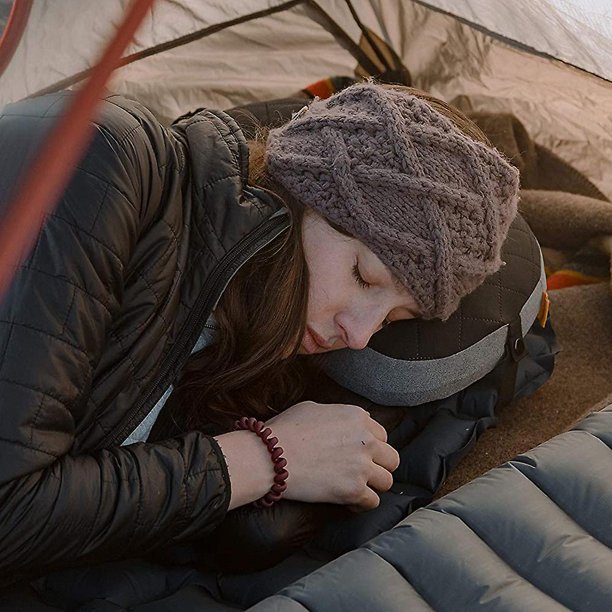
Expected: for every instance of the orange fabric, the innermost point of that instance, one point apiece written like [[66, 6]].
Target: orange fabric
[[321, 89], [569, 278], [544, 308]]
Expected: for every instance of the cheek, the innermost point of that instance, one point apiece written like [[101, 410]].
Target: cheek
[[318, 299], [326, 296]]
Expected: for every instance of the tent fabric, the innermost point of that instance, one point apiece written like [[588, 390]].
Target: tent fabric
[[580, 37], [509, 70], [577, 33], [533, 534], [564, 109]]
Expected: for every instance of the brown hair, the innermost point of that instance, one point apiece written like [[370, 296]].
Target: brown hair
[[251, 368]]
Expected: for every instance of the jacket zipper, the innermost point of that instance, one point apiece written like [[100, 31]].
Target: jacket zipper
[[211, 292]]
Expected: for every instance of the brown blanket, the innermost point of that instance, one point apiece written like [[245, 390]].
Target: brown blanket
[[571, 218]]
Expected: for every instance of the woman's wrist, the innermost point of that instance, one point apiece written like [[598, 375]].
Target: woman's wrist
[[263, 432], [248, 463]]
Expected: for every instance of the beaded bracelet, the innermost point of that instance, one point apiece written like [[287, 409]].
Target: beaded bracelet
[[280, 463]]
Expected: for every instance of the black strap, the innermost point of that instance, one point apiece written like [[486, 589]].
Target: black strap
[[368, 36], [516, 349], [343, 38]]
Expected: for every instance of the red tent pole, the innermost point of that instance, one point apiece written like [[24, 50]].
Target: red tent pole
[[52, 168], [13, 30]]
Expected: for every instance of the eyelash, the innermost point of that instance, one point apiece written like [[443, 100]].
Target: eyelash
[[363, 283], [360, 280]]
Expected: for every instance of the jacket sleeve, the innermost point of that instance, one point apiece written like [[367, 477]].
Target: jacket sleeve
[[56, 508]]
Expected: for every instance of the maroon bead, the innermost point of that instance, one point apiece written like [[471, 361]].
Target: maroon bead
[[280, 470], [276, 453], [281, 474]]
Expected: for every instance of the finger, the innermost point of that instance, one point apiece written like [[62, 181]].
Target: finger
[[368, 501], [377, 429], [386, 456], [380, 479]]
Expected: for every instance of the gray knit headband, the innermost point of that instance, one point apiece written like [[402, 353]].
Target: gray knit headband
[[432, 203]]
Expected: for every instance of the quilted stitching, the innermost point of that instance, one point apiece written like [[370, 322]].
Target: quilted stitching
[[109, 320]]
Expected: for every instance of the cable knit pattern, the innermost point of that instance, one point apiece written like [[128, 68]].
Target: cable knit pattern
[[432, 203]]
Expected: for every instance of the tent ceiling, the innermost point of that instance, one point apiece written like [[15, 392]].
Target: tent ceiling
[[570, 31], [564, 108], [578, 32]]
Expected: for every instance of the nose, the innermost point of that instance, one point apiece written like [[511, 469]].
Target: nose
[[358, 330]]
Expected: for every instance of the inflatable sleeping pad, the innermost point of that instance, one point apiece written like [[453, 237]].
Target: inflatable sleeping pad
[[533, 534]]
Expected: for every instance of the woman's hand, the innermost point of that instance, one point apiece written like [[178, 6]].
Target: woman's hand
[[335, 453]]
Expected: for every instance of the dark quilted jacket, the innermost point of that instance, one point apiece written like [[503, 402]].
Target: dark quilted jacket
[[100, 319]]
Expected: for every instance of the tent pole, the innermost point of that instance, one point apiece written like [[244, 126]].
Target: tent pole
[[13, 31], [52, 168]]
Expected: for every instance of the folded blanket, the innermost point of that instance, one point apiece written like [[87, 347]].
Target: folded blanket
[[570, 216]]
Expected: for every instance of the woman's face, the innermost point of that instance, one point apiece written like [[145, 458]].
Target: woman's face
[[351, 291]]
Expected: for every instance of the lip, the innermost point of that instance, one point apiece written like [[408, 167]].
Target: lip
[[312, 342], [320, 341]]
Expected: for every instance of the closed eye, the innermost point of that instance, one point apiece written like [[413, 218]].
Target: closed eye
[[358, 278]]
